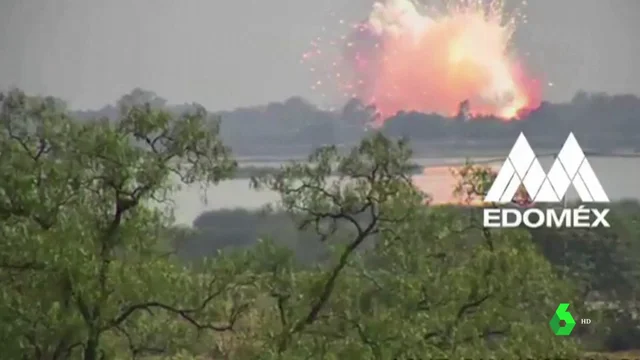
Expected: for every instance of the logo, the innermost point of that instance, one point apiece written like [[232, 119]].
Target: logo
[[562, 314], [522, 168]]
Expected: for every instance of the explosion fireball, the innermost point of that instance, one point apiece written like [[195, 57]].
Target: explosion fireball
[[406, 57]]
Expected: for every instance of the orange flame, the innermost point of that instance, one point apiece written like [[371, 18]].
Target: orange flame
[[403, 60]]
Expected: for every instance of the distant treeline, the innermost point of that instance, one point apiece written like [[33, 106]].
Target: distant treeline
[[294, 127], [244, 172], [236, 228]]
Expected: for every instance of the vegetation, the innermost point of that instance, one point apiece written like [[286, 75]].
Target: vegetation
[[354, 264], [294, 127]]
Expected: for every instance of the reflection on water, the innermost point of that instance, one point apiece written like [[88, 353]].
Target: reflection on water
[[617, 175]]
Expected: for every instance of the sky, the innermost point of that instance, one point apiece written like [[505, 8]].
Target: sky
[[227, 54]]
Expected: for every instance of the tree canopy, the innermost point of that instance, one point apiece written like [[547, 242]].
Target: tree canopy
[[92, 266]]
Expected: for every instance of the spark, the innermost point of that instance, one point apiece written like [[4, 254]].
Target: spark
[[430, 58]]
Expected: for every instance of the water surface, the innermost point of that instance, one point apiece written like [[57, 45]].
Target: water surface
[[618, 176]]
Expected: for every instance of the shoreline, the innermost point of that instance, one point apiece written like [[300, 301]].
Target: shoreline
[[453, 154], [251, 166]]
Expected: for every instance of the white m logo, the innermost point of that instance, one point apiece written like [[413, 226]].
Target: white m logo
[[570, 167]]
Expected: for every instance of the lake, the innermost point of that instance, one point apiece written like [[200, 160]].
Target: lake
[[618, 176]]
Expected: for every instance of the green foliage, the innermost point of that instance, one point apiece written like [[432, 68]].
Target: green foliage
[[474, 182], [602, 264], [82, 216], [87, 272], [431, 283]]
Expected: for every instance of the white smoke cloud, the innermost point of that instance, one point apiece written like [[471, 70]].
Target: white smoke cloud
[[397, 17]]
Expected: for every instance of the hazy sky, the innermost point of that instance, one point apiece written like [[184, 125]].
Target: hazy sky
[[225, 54]]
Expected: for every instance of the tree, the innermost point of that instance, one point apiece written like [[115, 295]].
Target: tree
[[141, 97], [474, 182], [410, 280], [83, 273], [602, 263]]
